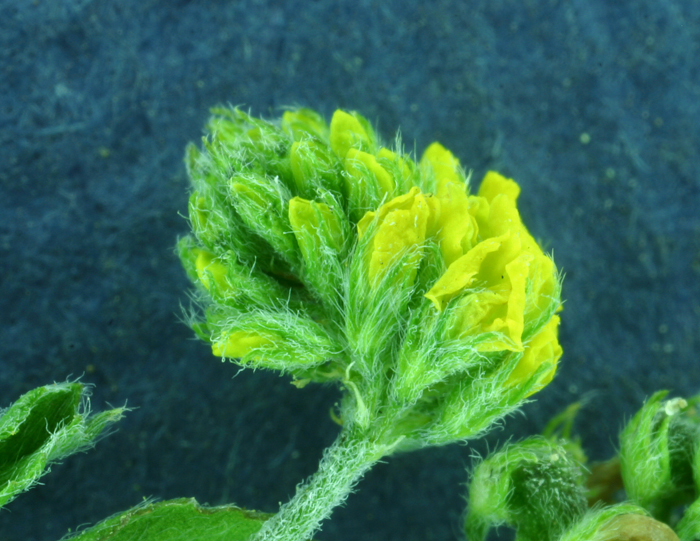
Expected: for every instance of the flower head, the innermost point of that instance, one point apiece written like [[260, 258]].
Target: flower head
[[324, 254]]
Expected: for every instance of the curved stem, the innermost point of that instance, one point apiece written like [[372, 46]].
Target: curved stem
[[342, 466]]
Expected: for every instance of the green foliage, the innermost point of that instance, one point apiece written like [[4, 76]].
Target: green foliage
[[43, 426], [177, 520]]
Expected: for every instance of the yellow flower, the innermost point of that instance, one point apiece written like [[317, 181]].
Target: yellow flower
[[497, 271], [402, 225], [317, 222], [543, 348]]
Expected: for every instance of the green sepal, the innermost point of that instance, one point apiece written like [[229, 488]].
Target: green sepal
[[314, 168], [262, 204], [376, 309], [238, 142], [323, 234], [400, 166], [202, 330], [287, 341], [471, 402], [429, 355], [303, 123], [534, 486], [559, 429], [182, 519], [213, 220], [238, 286], [688, 528], [42, 427], [366, 183], [657, 448]]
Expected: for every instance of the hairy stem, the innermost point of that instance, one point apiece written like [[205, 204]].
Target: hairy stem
[[342, 465]]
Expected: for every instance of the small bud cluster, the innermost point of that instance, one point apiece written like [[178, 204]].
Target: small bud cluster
[[540, 486], [319, 252]]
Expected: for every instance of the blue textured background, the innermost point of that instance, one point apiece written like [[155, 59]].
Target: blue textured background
[[97, 101]]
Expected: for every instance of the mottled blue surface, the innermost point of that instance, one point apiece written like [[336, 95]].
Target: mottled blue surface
[[97, 101]]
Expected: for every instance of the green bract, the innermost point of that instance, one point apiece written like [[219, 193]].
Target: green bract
[[43, 426]]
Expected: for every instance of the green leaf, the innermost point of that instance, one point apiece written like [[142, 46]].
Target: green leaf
[[43, 426], [177, 520]]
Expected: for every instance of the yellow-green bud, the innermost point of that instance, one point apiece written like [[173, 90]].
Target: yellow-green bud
[[262, 203], [314, 168], [305, 123], [350, 130], [322, 233]]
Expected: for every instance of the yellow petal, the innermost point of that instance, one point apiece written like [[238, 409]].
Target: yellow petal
[[346, 133], [495, 184], [543, 348], [454, 227], [401, 227], [462, 272], [404, 201], [444, 165], [496, 307], [513, 322], [356, 161], [475, 312]]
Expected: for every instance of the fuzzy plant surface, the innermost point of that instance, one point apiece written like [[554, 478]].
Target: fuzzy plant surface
[[543, 488], [320, 252]]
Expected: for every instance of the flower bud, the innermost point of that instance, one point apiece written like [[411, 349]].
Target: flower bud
[[350, 130], [314, 168], [322, 233], [367, 183], [304, 123], [657, 450], [324, 254], [262, 205], [533, 486], [273, 339], [228, 281]]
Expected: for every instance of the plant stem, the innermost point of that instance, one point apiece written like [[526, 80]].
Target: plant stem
[[342, 465]]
